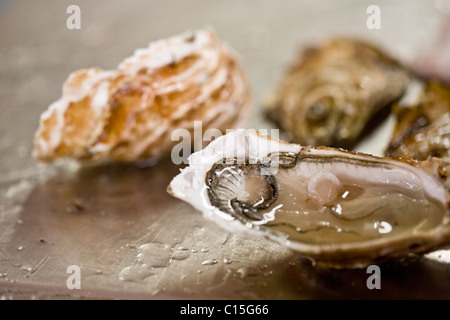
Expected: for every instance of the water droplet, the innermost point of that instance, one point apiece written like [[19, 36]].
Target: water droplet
[[194, 251], [135, 273], [200, 270], [227, 261], [209, 262], [336, 209], [156, 255], [205, 250], [20, 248], [180, 255]]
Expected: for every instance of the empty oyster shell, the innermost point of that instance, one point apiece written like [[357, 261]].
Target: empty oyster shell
[[339, 208], [422, 130], [130, 113], [331, 92]]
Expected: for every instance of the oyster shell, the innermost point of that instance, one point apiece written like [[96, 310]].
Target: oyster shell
[[330, 93], [422, 130], [130, 113], [339, 208]]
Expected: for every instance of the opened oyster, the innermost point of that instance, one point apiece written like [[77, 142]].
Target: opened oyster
[[339, 208], [130, 113], [331, 92]]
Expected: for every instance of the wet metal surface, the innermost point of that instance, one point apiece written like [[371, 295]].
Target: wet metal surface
[[116, 222]]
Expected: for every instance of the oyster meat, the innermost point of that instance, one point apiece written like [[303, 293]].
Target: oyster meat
[[339, 208], [331, 93], [130, 113], [422, 130]]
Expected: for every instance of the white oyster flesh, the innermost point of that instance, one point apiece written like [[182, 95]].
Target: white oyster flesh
[[339, 208]]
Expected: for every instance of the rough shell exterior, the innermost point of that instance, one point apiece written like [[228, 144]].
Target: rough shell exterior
[[422, 130], [331, 93], [130, 113]]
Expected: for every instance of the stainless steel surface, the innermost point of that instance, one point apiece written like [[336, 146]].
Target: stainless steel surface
[[117, 222]]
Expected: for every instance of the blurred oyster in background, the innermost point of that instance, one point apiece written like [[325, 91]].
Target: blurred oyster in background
[[130, 113], [331, 92], [422, 130]]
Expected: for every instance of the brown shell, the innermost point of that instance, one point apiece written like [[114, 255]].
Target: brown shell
[[330, 93], [422, 131]]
